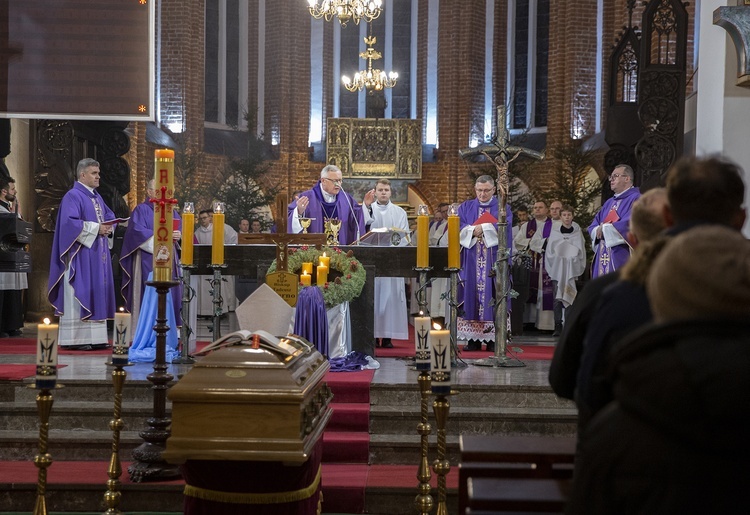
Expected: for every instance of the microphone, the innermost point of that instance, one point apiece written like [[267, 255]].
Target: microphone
[[351, 210]]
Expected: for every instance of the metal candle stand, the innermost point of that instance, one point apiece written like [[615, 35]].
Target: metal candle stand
[[453, 314], [113, 495], [217, 300], [149, 464], [423, 501], [186, 331], [442, 466], [43, 459]]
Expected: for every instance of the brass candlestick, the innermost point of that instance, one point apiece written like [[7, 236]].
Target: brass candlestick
[[217, 300], [423, 501], [43, 459], [188, 293], [149, 464], [441, 407], [113, 495]]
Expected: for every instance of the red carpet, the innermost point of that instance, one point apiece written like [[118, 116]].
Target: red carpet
[[405, 349], [28, 346], [18, 372]]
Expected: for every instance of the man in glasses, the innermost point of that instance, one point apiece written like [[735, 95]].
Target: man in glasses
[[327, 200], [609, 230], [479, 241]]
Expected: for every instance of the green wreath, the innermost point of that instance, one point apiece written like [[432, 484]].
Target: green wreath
[[343, 288]]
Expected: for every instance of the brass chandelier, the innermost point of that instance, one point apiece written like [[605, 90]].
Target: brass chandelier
[[346, 10], [370, 78]]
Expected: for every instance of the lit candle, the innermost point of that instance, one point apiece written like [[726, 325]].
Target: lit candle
[[163, 225], [422, 342], [217, 236], [423, 238], [46, 355], [122, 338], [454, 247], [322, 275], [307, 268], [325, 260], [305, 278], [188, 222], [440, 346]]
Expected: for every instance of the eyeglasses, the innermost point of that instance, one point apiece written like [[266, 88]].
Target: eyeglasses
[[616, 175], [336, 181]]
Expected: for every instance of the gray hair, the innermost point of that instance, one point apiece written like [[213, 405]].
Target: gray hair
[[151, 184], [85, 163], [485, 179], [329, 168], [627, 169]]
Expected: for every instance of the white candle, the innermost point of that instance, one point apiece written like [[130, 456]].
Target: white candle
[[422, 342], [440, 347], [122, 338], [46, 355]]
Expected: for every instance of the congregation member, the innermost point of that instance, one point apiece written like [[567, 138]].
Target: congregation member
[[675, 438], [609, 229], [81, 286], [479, 240], [390, 320], [243, 227], [327, 200], [255, 226], [203, 236], [565, 261], [12, 284], [137, 258], [532, 240]]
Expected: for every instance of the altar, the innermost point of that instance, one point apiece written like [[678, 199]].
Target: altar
[[254, 261]]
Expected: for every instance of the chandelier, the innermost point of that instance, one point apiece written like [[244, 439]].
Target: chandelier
[[370, 79], [346, 10]]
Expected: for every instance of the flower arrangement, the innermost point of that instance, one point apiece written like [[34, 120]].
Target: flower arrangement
[[344, 288]]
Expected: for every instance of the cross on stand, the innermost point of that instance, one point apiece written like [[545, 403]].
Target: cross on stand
[[501, 153], [282, 281]]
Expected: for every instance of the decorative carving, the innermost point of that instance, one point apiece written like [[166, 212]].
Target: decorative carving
[[374, 148], [736, 21], [54, 175]]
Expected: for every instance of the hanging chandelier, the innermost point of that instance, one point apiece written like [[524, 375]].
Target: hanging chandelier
[[346, 10], [370, 78]]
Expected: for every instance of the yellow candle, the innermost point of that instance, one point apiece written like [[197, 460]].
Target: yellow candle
[[217, 237], [322, 275], [422, 342], [163, 227], [423, 238], [305, 279], [454, 247], [307, 268], [188, 222], [325, 260], [46, 348]]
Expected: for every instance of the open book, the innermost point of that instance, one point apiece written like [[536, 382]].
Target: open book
[[289, 345]]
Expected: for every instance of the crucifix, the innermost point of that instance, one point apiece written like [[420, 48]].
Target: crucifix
[[501, 153], [282, 281]]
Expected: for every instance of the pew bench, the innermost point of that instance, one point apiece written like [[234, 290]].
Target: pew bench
[[506, 496]]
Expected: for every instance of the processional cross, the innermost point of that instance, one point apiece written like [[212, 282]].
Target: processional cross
[[501, 153], [282, 281]]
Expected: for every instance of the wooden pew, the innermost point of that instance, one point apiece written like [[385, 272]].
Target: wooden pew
[[530, 458], [505, 496]]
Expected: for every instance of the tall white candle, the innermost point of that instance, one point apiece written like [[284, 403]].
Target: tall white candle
[[440, 348], [422, 342], [46, 355], [122, 338]]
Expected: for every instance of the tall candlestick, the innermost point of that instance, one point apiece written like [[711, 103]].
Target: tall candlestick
[[188, 223], [217, 236], [454, 247], [163, 224], [423, 238], [322, 275], [422, 342], [46, 355], [440, 347], [305, 279]]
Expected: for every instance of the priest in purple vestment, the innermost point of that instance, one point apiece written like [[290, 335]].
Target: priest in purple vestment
[[327, 200], [137, 256], [479, 242], [609, 230], [81, 286]]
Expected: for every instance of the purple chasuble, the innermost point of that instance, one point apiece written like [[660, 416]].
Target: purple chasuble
[[608, 260], [477, 288], [90, 268], [352, 223], [548, 292], [140, 229]]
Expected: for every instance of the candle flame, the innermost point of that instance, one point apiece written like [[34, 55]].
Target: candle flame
[[189, 208], [436, 326], [422, 210], [122, 310], [453, 210], [46, 321], [421, 313], [324, 254]]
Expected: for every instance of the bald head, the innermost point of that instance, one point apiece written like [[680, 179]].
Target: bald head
[[647, 218]]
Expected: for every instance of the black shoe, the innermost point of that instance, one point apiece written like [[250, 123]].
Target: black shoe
[[473, 345], [377, 342], [557, 331], [15, 333], [491, 346], [386, 343]]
